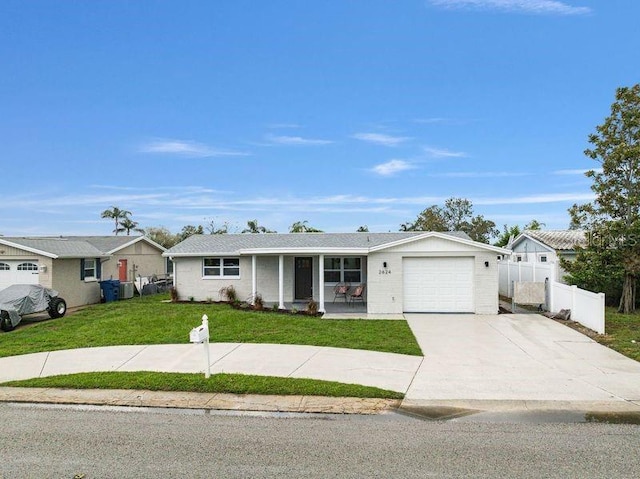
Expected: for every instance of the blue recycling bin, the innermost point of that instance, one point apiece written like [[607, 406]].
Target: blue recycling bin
[[110, 290]]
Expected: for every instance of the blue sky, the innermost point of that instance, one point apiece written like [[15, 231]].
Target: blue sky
[[342, 113]]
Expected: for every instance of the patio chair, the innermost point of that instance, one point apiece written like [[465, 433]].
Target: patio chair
[[358, 294], [340, 291]]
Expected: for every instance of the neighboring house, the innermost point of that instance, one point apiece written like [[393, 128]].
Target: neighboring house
[[403, 272], [73, 265], [547, 246]]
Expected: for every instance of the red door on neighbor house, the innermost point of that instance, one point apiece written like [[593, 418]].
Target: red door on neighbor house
[[122, 270]]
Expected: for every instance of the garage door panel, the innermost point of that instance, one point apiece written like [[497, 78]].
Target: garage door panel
[[18, 272], [436, 285]]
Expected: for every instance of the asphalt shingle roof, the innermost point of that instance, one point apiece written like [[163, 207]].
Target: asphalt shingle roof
[[233, 243], [72, 246], [559, 239]]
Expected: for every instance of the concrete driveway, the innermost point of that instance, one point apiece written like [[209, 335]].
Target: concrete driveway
[[515, 357]]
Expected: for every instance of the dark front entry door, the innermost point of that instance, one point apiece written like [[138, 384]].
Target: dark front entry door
[[304, 278]]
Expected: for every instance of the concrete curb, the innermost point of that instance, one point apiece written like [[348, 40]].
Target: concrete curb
[[191, 400]]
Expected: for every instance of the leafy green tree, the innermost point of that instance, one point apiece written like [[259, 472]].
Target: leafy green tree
[[254, 227], [597, 268], [116, 214], [613, 218], [456, 215], [127, 225], [162, 236], [508, 233], [511, 232], [189, 230], [303, 227]]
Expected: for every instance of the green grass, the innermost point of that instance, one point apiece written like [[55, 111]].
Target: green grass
[[621, 330], [219, 383], [147, 320]]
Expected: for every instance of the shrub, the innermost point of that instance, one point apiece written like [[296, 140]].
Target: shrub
[[258, 302], [229, 293], [174, 293], [312, 307]]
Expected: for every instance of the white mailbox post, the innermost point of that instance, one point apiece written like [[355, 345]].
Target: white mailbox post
[[201, 335]]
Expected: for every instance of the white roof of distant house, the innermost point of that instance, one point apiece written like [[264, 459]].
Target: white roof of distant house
[[561, 240], [74, 246]]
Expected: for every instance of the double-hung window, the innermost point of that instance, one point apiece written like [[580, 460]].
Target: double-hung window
[[221, 267], [342, 269], [89, 269]]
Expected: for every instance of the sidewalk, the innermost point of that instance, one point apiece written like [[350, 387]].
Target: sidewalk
[[383, 370], [369, 368]]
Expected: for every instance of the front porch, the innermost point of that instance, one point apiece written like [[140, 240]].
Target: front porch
[[294, 279]]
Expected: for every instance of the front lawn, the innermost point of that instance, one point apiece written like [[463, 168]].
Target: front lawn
[[217, 383], [148, 320], [623, 333]]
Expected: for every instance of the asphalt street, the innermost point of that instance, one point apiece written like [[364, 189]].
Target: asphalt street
[[63, 442]]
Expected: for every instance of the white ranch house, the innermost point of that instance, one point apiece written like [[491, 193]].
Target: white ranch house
[[402, 272]]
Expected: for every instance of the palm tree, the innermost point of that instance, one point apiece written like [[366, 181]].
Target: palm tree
[[116, 214], [127, 224], [253, 227], [303, 227]]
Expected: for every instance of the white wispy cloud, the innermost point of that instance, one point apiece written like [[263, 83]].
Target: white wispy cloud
[[443, 153], [296, 140], [186, 148], [539, 7], [392, 167], [537, 199], [575, 171], [380, 138]]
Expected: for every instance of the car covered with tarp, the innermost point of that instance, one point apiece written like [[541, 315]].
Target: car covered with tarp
[[20, 299]]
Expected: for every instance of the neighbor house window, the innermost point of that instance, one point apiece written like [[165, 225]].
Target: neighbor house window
[[543, 259], [221, 267], [89, 269], [4, 267], [338, 270], [518, 258]]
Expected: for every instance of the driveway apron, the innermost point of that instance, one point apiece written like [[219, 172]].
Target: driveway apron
[[515, 357]]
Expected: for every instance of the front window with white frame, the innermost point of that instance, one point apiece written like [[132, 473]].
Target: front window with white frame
[[221, 267], [342, 269]]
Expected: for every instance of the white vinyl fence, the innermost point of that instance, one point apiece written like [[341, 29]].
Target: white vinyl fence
[[587, 308]]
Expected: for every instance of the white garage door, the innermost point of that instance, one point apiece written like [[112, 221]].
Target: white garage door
[[438, 285], [18, 272]]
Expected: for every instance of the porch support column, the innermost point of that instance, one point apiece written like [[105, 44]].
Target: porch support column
[[254, 278], [281, 281], [321, 283]]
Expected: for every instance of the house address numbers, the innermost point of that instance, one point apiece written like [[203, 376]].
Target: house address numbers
[[384, 271]]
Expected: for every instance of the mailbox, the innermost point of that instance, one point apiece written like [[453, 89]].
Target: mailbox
[[199, 334]]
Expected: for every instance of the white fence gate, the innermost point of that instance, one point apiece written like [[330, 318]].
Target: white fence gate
[[587, 308]]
